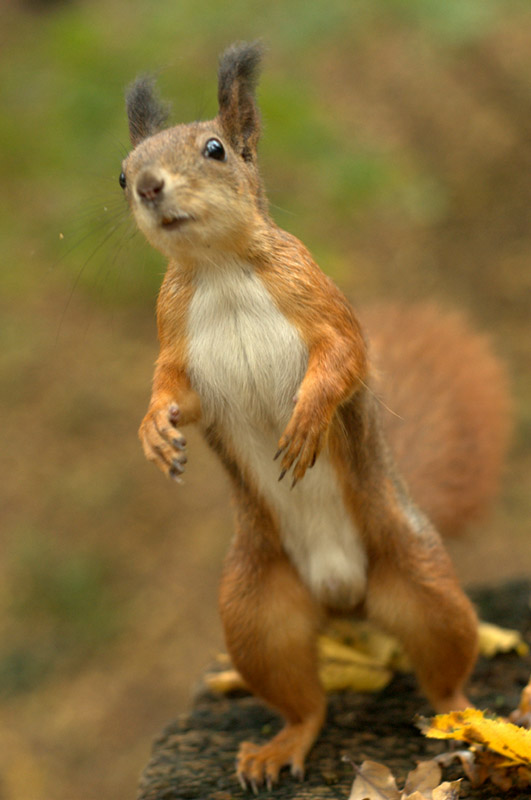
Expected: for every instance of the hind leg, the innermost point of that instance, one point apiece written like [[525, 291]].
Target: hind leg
[[270, 624], [415, 595]]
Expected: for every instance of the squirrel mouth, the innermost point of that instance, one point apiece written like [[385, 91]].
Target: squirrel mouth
[[170, 222]]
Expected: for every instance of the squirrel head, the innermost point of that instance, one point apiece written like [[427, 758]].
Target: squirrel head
[[197, 185]]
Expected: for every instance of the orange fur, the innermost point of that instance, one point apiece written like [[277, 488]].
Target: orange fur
[[445, 436], [446, 408]]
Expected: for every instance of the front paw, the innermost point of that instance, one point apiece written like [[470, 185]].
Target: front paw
[[162, 442], [301, 442]]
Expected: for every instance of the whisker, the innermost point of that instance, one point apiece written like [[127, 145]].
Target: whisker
[[82, 270], [91, 232], [125, 237], [121, 146], [124, 242], [90, 224]]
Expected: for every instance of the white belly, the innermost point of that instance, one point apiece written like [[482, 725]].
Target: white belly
[[246, 362]]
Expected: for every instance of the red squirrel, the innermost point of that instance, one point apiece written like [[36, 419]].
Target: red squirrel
[[320, 433]]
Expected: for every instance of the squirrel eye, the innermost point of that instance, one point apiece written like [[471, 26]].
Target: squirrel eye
[[214, 149], [122, 180]]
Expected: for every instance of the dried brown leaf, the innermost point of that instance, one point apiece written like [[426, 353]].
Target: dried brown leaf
[[448, 790], [481, 765], [467, 759], [423, 779], [374, 782], [522, 715]]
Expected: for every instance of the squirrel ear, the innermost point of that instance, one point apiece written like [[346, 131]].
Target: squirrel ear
[[145, 112], [239, 68]]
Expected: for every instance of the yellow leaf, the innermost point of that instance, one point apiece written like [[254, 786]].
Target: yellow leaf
[[359, 678], [333, 650], [225, 682], [342, 667], [493, 639], [471, 725], [363, 637]]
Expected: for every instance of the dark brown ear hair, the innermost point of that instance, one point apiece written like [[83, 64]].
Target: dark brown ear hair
[[145, 112], [239, 68]]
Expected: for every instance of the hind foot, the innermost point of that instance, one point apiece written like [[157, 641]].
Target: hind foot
[[259, 764]]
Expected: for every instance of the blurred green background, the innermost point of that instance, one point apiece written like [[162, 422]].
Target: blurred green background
[[396, 145]]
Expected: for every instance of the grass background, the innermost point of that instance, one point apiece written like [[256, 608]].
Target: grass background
[[396, 145]]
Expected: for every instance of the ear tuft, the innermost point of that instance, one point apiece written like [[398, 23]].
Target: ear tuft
[[239, 69], [145, 112]]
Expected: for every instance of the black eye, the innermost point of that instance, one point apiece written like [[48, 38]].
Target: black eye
[[214, 149], [122, 180]]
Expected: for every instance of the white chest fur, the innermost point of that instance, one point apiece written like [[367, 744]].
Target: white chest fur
[[246, 362]]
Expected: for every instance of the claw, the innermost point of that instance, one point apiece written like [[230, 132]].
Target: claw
[[177, 465], [254, 786], [294, 482], [174, 475], [279, 451], [179, 443], [298, 773], [282, 474], [243, 782]]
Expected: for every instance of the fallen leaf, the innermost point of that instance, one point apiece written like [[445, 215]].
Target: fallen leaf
[[374, 782], [364, 637], [225, 682], [448, 790], [473, 727], [493, 639], [467, 759], [424, 778], [522, 715], [481, 765], [342, 667], [339, 677]]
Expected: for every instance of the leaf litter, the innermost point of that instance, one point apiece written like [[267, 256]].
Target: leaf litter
[[498, 750], [375, 781]]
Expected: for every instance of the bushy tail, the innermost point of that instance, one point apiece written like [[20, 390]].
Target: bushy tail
[[445, 409]]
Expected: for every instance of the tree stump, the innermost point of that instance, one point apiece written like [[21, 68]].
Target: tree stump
[[194, 756]]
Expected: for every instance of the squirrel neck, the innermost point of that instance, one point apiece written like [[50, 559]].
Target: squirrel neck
[[257, 248]]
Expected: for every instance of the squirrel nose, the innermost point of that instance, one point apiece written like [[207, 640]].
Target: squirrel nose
[[149, 186]]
